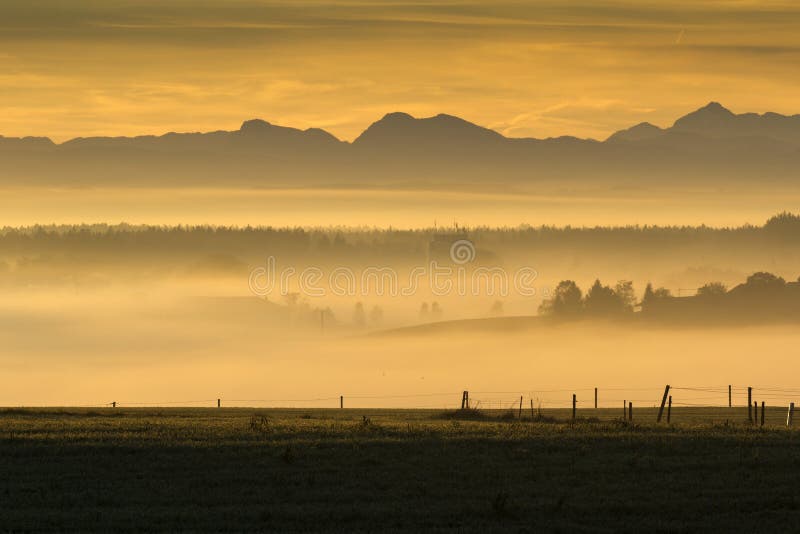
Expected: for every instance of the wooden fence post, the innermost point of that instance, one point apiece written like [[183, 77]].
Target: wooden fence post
[[219, 403], [750, 404], [114, 404], [520, 406], [463, 399], [730, 400], [595, 398], [341, 402], [663, 402], [630, 411], [624, 410], [762, 413], [531, 409], [574, 405], [790, 414], [669, 409]]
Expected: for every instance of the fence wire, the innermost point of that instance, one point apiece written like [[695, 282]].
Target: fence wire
[[685, 404]]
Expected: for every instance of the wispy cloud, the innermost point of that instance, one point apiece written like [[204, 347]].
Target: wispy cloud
[[541, 69]]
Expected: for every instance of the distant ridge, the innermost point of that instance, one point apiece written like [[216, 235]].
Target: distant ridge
[[643, 130], [401, 129], [711, 144]]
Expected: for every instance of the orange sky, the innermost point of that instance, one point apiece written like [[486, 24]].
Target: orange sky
[[524, 68]]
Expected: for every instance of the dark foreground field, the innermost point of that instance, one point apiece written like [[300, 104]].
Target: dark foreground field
[[332, 470]]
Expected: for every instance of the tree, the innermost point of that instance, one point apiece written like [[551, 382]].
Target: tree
[[626, 295], [652, 296], [359, 316], [567, 300], [712, 290], [497, 309], [765, 281], [602, 300], [783, 223], [424, 312], [291, 299], [327, 317], [376, 316]]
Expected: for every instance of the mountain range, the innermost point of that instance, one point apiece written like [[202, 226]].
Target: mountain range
[[710, 146]]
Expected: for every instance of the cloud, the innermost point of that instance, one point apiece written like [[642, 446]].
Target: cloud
[[542, 68]]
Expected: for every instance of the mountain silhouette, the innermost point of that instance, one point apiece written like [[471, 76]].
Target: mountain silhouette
[[711, 145], [714, 120], [401, 130], [643, 130]]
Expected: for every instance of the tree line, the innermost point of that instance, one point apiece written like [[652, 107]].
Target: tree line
[[762, 292]]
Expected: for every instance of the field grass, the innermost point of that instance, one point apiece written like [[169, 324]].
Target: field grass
[[366, 470]]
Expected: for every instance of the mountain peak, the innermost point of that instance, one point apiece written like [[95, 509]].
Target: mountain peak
[[643, 130], [397, 116], [254, 125], [715, 108], [711, 111], [402, 129], [713, 118]]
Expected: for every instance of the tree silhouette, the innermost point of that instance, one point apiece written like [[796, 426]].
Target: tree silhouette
[[712, 290], [359, 316], [497, 309], [784, 223], [765, 281], [626, 295], [376, 316], [424, 312], [652, 296], [603, 301], [567, 300]]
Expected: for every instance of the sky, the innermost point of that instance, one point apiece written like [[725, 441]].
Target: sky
[[526, 69]]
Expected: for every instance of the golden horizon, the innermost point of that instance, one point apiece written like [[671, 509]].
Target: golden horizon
[[535, 69]]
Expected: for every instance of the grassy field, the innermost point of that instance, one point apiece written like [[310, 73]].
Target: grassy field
[[366, 470]]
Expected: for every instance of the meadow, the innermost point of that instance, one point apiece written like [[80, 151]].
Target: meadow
[[242, 469]]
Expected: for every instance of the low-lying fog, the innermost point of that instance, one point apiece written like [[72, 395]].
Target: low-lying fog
[[398, 208], [91, 348]]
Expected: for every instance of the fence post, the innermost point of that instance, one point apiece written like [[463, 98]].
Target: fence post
[[595, 398], [520, 406], [531, 409], [624, 410], [750, 404], [790, 414], [463, 399], [755, 412], [762, 413], [114, 404], [574, 405], [669, 409], [630, 411], [730, 401], [219, 403], [663, 402]]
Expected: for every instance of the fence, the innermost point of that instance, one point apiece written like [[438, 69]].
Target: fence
[[762, 406]]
